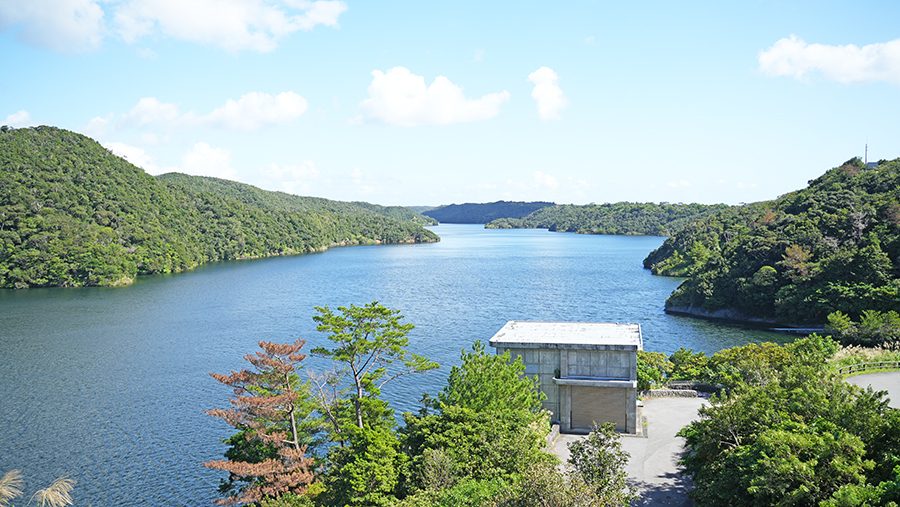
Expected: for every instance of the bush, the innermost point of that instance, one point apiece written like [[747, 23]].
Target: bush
[[689, 365], [600, 462], [874, 329], [789, 431], [652, 369], [543, 485]]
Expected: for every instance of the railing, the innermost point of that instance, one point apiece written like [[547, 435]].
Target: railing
[[695, 385], [875, 365]]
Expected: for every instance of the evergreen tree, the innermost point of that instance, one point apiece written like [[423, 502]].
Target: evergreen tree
[[272, 411]]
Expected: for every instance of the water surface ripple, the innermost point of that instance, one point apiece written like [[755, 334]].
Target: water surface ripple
[[110, 386]]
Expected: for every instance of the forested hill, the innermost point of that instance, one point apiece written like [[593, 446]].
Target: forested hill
[[834, 245], [617, 218], [74, 214], [482, 213]]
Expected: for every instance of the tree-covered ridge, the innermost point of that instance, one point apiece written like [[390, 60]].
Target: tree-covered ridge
[[482, 213], [833, 246], [631, 218], [73, 214]]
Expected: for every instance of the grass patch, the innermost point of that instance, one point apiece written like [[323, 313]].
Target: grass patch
[[849, 356]]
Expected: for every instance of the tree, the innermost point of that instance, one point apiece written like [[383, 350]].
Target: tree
[[874, 329], [488, 424], [794, 433], [753, 363], [795, 464], [688, 365], [834, 245], [271, 409], [370, 345], [74, 214], [600, 461], [652, 369], [366, 472], [369, 352], [485, 382], [543, 485]]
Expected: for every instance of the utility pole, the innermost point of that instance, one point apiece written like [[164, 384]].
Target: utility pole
[[866, 156]]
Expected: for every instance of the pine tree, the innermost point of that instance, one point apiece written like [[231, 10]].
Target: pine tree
[[271, 409]]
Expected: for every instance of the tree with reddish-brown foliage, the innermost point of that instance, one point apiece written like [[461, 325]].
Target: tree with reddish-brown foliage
[[272, 411]]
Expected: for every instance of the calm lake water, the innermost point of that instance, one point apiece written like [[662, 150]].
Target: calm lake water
[[110, 386]]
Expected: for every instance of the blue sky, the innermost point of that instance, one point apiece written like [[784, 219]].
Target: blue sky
[[438, 102]]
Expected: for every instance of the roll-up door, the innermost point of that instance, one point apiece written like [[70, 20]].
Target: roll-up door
[[598, 404]]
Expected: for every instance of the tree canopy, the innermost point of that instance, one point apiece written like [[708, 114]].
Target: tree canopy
[[790, 431], [74, 214], [627, 218], [833, 246]]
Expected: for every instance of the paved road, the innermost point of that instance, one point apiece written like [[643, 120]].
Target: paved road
[[886, 381], [653, 466]]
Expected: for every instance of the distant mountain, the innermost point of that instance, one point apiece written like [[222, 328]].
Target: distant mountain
[[74, 214], [834, 245], [627, 218], [482, 213], [421, 209]]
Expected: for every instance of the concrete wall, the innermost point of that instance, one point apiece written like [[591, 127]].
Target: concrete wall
[[614, 364], [611, 364], [543, 363]]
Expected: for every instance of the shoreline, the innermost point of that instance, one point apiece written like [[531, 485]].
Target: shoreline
[[128, 281], [735, 317]]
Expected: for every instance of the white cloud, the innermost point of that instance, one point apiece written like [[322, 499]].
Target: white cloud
[[96, 127], [234, 25], [254, 110], [18, 119], [62, 25], [399, 97], [544, 180], [249, 112], [323, 12], [590, 40], [794, 57], [294, 179], [547, 94], [150, 110], [200, 160], [205, 160], [135, 155]]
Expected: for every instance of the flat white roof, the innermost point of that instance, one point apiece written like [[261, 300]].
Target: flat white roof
[[533, 334]]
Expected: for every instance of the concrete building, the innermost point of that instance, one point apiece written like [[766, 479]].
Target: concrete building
[[587, 370]]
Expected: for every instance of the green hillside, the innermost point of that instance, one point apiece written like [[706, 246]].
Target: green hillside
[[482, 213], [834, 245], [617, 218], [74, 214]]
